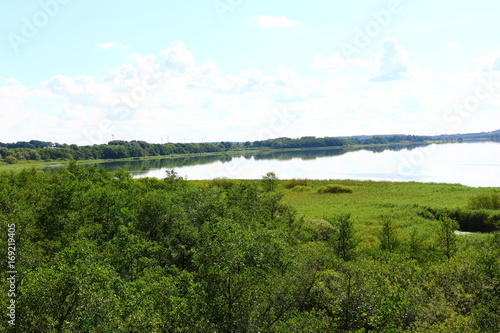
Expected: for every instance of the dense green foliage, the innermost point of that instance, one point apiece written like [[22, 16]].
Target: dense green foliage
[[117, 149], [483, 220], [102, 252]]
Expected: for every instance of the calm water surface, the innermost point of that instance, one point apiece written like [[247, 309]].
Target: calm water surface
[[472, 164]]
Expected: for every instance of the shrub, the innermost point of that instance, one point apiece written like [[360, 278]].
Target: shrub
[[485, 201], [291, 183], [318, 230], [300, 188], [223, 183], [10, 159], [335, 188], [471, 220]]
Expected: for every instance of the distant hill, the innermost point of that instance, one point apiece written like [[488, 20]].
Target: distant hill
[[483, 136]]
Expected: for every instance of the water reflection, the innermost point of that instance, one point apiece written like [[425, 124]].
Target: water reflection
[[473, 164], [145, 167]]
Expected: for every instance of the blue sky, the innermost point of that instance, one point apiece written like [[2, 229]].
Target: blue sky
[[82, 72]]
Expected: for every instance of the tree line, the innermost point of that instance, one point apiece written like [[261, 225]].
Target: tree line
[[35, 150], [314, 142], [12, 153]]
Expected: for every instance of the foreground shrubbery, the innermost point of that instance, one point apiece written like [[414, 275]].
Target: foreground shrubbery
[[335, 188], [101, 252]]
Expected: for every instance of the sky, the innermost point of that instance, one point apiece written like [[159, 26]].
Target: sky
[[85, 72]]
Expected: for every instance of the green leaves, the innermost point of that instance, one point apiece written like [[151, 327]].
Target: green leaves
[[269, 182], [102, 252], [447, 239], [343, 241]]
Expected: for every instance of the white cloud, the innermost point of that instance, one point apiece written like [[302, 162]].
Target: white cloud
[[11, 98], [81, 90], [207, 75], [112, 45], [489, 63], [169, 93], [392, 63], [268, 21], [142, 71], [337, 62], [178, 57], [452, 45]]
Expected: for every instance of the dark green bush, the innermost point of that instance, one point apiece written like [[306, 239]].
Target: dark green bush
[[472, 220], [335, 188]]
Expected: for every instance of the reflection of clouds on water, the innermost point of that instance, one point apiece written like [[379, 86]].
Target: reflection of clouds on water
[[469, 164]]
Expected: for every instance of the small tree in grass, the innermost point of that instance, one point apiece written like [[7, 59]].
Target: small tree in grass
[[388, 237], [447, 239], [269, 182], [344, 241]]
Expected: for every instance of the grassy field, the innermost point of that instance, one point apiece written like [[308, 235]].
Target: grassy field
[[373, 201]]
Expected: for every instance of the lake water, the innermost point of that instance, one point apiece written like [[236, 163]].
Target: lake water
[[471, 164]]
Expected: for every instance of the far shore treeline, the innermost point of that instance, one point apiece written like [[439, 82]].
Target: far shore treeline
[[35, 150]]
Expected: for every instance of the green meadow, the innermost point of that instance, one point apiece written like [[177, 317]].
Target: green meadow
[[405, 204]]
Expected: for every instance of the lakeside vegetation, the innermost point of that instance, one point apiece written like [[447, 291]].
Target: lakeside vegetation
[[36, 152], [101, 252], [41, 151]]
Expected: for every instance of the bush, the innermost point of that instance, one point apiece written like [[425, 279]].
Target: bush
[[291, 183], [223, 183], [485, 201], [477, 220], [318, 230], [335, 188], [10, 159], [300, 188]]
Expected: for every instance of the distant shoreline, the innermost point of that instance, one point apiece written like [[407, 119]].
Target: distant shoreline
[[242, 152]]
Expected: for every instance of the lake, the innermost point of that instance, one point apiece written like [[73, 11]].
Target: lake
[[473, 164]]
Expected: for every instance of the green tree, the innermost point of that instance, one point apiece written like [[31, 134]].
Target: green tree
[[447, 239], [343, 241], [269, 182], [10, 159], [388, 237]]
